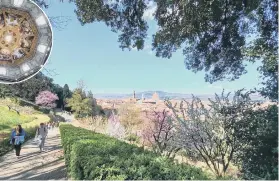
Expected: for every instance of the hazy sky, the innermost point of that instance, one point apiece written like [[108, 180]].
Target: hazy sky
[[92, 53]]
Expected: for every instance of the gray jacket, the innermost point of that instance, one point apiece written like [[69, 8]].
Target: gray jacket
[[42, 131]]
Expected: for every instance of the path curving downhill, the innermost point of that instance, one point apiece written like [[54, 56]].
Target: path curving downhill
[[33, 165]]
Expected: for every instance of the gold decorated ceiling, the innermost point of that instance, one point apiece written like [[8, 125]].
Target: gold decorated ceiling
[[18, 36]]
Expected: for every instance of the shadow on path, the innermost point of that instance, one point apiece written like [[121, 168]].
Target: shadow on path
[[31, 174]]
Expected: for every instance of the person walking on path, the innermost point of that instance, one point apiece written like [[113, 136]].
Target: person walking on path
[[41, 135], [51, 125], [48, 126], [17, 139]]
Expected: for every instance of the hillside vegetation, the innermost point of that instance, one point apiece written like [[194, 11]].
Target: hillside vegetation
[[10, 118], [26, 116]]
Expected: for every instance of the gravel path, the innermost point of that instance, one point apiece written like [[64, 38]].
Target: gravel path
[[33, 165]]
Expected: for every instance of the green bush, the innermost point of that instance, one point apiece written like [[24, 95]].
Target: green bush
[[43, 110], [90, 155], [259, 132], [5, 146], [24, 103], [132, 138]]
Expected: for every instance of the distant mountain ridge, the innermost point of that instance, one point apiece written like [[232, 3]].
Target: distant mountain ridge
[[162, 95]]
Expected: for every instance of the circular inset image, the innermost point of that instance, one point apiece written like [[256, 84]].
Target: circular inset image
[[25, 40]]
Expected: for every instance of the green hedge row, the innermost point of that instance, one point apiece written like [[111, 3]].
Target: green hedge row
[[90, 155]]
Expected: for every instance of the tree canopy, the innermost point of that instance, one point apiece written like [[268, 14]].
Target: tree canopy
[[80, 104], [30, 89], [217, 36]]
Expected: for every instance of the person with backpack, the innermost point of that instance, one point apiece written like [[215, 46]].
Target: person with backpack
[[17, 139], [41, 135]]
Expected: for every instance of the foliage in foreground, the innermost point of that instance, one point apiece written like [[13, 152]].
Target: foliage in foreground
[[260, 156], [215, 35], [90, 155]]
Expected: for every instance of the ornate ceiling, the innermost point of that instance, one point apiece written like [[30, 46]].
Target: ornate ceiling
[[18, 36], [25, 40]]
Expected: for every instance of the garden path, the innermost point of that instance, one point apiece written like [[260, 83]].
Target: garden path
[[33, 165]]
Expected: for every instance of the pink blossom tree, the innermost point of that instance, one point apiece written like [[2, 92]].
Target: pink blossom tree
[[47, 99], [115, 129], [161, 133]]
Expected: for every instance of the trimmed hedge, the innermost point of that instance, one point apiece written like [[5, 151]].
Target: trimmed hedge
[[91, 156]]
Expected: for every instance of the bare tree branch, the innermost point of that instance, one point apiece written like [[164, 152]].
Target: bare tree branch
[[48, 71], [59, 22], [210, 131], [162, 133]]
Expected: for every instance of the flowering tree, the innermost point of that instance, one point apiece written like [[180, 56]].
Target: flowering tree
[[161, 133], [211, 133], [115, 129], [47, 99]]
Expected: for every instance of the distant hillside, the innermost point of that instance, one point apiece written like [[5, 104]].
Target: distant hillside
[[162, 95]]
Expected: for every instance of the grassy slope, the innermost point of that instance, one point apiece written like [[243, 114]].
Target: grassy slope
[[9, 119]]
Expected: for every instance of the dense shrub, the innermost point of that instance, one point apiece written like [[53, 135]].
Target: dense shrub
[[132, 138], [5, 146], [259, 158], [43, 110], [91, 155], [29, 104]]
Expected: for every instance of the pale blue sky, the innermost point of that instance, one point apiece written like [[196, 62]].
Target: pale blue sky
[[91, 53]]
